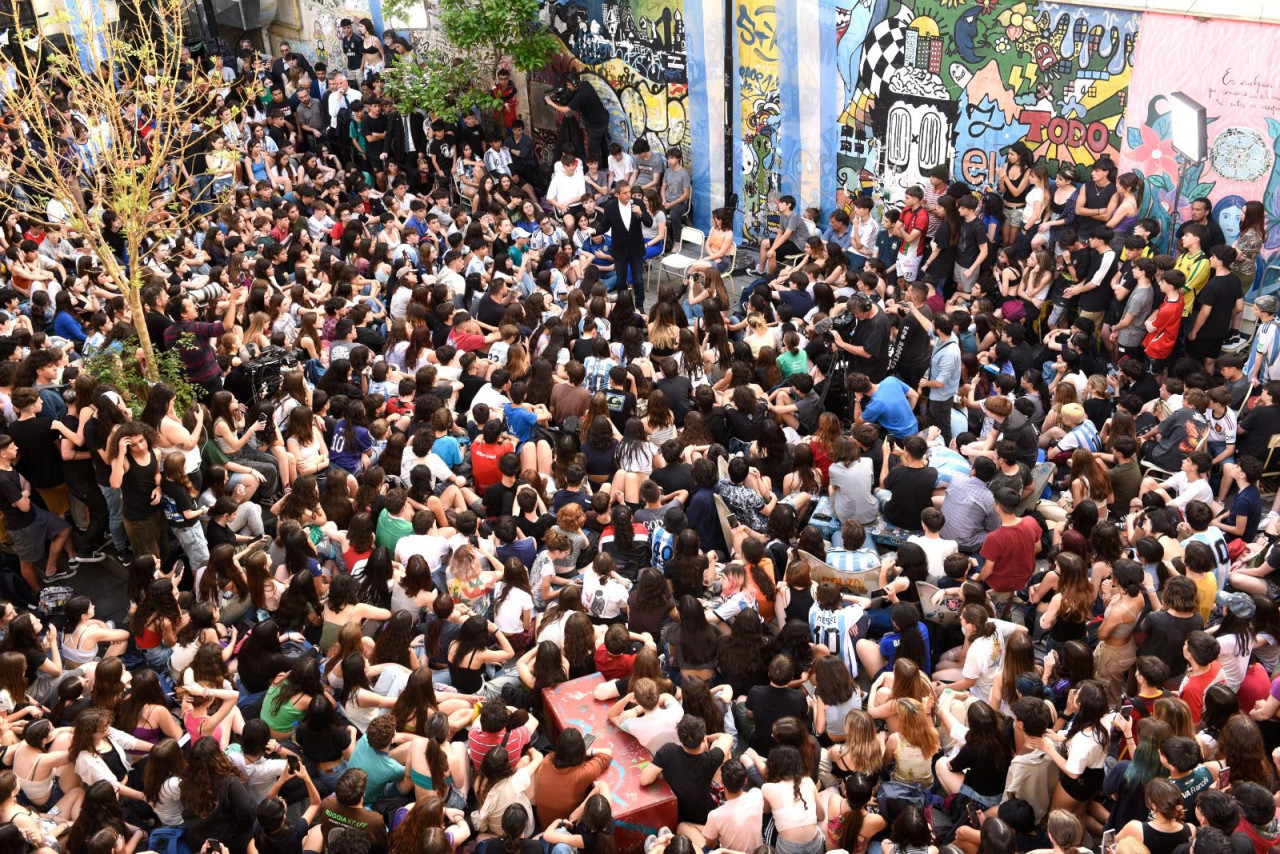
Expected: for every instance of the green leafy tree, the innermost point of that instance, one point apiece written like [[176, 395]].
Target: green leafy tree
[[453, 79], [124, 369]]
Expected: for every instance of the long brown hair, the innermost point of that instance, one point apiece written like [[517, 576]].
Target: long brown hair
[[205, 767]]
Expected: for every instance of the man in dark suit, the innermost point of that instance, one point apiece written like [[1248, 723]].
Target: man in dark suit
[[281, 65], [625, 218]]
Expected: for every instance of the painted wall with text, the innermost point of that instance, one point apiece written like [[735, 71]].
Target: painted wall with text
[[825, 99]]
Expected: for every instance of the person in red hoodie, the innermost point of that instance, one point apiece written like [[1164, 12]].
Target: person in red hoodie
[[1201, 651], [1257, 816], [1162, 326]]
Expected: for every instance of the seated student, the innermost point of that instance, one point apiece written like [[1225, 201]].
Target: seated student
[[1178, 434], [747, 496], [767, 704], [1217, 810], [1239, 521], [1150, 674], [647, 715], [936, 548], [1191, 483], [908, 486], [1201, 652], [499, 725], [1077, 431], [854, 553], [888, 403], [344, 811], [616, 657], [1181, 757]]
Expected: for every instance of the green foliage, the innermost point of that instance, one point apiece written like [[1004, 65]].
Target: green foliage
[[438, 86], [125, 372], [448, 82], [501, 28]]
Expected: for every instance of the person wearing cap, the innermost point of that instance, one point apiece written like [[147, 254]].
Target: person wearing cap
[[1263, 364], [519, 246]]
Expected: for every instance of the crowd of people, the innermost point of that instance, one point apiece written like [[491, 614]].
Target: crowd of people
[[944, 533]]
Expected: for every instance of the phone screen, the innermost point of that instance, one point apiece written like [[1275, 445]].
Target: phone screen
[[1224, 778], [1108, 842], [588, 740], [1127, 711]]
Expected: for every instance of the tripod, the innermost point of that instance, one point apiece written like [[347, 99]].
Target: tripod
[[837, 373]]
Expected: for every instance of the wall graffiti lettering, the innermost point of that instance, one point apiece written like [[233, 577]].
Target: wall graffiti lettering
[[936, 82], [635, 62]]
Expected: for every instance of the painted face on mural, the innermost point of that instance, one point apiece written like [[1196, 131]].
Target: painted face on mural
[[1229, 219]]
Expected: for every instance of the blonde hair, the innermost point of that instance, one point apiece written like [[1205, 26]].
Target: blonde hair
[[1064, 829], [862, 749], [464, 564], [757, 322], [917, 727]]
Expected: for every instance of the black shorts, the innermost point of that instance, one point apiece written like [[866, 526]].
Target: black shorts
[[785, 250], [1085, 787], [1205, 348]]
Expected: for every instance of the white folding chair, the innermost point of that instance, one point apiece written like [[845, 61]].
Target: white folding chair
[[692, 247], [1239, 341]]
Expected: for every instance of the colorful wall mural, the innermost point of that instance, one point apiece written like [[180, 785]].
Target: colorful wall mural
[[633, 53], [951, 83], [1240, 91], [760, 112], [825, 99]]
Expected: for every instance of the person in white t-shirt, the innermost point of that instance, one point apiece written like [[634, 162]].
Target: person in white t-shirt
[[513, 601], [1189, 484], [936, 548], [653, 717], [984, 657]]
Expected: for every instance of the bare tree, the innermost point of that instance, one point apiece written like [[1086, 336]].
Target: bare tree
[[122, 133]]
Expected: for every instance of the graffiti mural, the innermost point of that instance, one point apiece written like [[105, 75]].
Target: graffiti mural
[[761, 111], [633, 54], [956, 82], [1240, 91]]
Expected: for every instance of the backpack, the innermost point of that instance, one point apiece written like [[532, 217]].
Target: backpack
[[52, 599]]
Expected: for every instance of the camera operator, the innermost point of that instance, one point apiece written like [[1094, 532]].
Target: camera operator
[[869, 347], [594, 115], [909, 358]]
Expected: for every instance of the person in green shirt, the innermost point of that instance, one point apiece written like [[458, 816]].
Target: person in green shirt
[[792, 359], [396, 519]]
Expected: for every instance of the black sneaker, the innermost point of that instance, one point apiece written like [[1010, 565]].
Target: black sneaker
[[60, 575], [125, 557]]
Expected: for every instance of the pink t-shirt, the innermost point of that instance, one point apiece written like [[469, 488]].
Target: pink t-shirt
[[736, 824]]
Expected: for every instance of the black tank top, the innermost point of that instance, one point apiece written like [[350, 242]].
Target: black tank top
[[798, 607], [136, 487], [1012, 197]]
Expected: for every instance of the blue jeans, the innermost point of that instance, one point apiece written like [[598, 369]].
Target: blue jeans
[[116, 516]]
